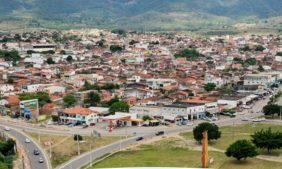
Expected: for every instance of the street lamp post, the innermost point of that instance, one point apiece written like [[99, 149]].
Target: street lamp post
[[280, 113], [78, 148]]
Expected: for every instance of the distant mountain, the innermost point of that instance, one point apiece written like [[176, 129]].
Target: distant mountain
[[137, 14]]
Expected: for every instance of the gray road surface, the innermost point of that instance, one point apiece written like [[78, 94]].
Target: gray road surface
[[29, 148]]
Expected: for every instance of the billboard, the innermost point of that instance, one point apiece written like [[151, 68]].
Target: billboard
[[29, 108]]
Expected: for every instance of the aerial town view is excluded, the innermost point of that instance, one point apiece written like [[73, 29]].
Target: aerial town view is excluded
[[90, 84]]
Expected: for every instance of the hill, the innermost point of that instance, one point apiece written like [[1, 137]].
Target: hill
[[138, 14]]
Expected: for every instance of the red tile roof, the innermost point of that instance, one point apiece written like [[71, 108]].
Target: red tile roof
[[79, 110]]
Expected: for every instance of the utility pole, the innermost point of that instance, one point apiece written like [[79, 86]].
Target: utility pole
[[50, 149], [280, 113], [39, 139], [90, 154], [120, 142], [233, 130], [78, 148]]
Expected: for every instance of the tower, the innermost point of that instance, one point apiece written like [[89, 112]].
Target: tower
[[205, 150]]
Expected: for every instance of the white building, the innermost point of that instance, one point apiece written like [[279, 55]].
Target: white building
[[141, 111], [170, 112], [160, 83], [78, 115], [32, 88], [35, 59], [263, 79], [43, 47], [218, 81], [55, 89], [6, 88]]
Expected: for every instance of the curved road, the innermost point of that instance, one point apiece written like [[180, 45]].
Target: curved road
[[29, 148]]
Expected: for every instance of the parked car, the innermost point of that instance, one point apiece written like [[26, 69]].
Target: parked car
[[257, 120], [41, 160], [36, 152], [214, 118], [139, 138], [245, 119], [85, 126], [7, 129], [27, 140], [189, 124], [160, 133], [246, 107]]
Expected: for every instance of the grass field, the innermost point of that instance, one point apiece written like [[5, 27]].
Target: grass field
[[173, 153], [230, 134], [64, 147]]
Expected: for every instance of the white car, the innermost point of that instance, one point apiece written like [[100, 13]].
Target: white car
[[257, 120], [189, 124], [246, 107], [7, 129], [27, 140], [262, 119], [245, 119], [41, 160]]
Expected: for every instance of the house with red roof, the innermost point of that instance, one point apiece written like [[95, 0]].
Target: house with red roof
[[78, 115]]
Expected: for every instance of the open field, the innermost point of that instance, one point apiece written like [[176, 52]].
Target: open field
[[183, 151], [173, 152], [64, 147], [230, 134]]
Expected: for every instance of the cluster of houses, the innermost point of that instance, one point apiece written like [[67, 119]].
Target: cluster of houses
[[151, 80]]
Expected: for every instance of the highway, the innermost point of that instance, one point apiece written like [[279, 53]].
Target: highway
[[29, 148]]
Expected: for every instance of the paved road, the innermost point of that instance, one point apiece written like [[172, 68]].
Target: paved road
[[29, 147], [147, 133], [86, 159]]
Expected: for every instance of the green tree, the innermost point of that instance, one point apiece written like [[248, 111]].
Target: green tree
[[238, 60], [212, 129], [209, 87], [7, 147], [189, 54], [260, 68], [279, 54], [251, 61], [191, 94], [50, 61], [271, 109], [62, 52], [267, 139], [245, 48], [69, 100], [10, 80], [77, 137], [10, 55], [259, 48], [146, 118], [69, 58], [116, 48], [110, 86], [119, 107], [119, 32], [241, 149], [112, 101], [101, 43], [43, 97], [3, 165], [132, 42], [93, 99]]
